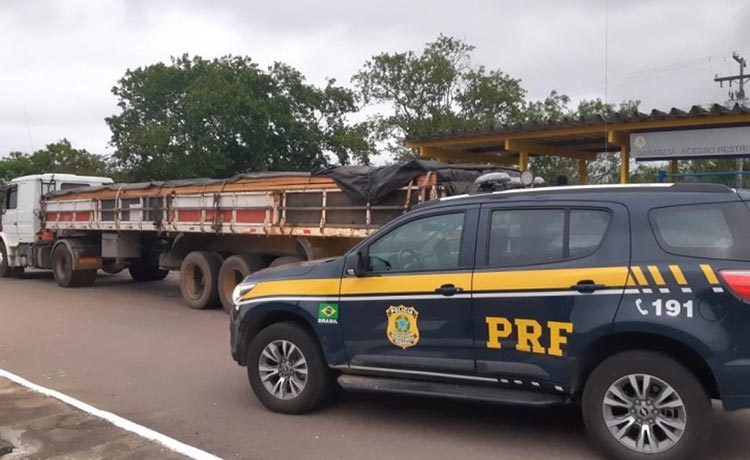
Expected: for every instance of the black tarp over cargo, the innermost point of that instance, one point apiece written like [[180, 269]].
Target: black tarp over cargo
[[374, 184]]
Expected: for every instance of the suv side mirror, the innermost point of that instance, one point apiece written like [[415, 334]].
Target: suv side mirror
[[353, 264]]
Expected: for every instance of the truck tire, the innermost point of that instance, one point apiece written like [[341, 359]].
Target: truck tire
[[285, 260], [280, 352], [5, 268], [62, 269], [143, 273], [644, 405], [199, 279], [232, 272]]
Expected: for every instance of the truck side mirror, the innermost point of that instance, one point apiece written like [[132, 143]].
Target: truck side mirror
[[353, 264]]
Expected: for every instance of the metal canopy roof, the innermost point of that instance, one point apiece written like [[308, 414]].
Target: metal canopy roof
[[573, 137]]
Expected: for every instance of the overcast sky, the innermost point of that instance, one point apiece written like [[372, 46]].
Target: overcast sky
[[60, 59]]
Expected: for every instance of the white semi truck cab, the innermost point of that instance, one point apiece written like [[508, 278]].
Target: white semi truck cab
[[21, 224]]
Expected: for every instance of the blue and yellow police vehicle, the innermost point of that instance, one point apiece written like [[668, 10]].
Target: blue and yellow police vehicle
[[632, 301]]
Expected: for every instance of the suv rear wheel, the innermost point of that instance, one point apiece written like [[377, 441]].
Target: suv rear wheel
[[287, 370], [645, 405]]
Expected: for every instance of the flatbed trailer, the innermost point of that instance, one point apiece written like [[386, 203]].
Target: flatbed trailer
[[215, 232]]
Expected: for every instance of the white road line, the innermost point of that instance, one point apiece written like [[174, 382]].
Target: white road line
[[142, 431]]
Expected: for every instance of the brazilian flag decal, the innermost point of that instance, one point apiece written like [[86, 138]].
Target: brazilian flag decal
[[328, 313]]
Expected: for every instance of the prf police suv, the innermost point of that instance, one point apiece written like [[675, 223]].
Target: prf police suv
[[632, 300]]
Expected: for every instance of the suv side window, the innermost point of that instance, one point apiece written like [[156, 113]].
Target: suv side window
[[716, 231], [526, 236], [538, 236], [587, 229], [427, 243]]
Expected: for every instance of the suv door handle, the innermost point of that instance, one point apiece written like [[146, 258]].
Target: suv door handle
[[587, 286], [448, 290]]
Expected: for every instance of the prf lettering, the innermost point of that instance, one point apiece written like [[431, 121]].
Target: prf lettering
[[529, 334]]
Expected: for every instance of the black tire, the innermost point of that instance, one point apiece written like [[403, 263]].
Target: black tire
[[5, 269], [232, 272], [144, 273], [62, 269], [697, 406], [199, 279], [319, 384], [62, 266], [285, 260]]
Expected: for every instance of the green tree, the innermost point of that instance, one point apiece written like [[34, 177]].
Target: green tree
[[197, 117], [437, 90], [58, 157], [16, 164]]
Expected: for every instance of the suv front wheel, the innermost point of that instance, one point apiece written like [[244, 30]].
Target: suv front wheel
[[287, 370], [645, 405]]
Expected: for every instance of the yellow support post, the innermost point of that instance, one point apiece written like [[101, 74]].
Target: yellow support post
[[625, 166], [583, 172], [523, 161]]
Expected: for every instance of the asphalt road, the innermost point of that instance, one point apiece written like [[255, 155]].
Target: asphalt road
[[136, 350]]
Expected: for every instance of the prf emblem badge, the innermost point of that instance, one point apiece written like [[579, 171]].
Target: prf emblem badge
[[402, 328]]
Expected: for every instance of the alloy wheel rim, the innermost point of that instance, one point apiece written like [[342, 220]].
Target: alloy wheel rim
[[283, 369], [644, 413]]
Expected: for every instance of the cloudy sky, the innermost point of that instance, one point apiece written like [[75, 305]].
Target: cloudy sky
[[60, 59]]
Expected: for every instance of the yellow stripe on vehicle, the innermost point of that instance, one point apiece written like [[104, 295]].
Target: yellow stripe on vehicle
[[677, 273], [639, 276], [656, 275], [320, 287], [709, 273], [549, 279], [404, 284]]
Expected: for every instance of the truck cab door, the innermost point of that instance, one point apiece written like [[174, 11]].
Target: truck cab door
[[548, 282], [411, 308], [27, 212], [10, 215]]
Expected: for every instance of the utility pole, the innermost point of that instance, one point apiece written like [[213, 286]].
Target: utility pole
[[737, 97]]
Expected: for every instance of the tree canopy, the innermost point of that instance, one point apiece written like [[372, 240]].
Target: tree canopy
[[198, 117], [58, 157], [437, 90]]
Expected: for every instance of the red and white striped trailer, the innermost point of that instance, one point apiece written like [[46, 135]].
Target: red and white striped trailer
[[215, 232]]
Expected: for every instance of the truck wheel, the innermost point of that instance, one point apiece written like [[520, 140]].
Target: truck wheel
[[199, 276], [6, 271], [143, 273], [62, 269], [232, 272], [62, 266], [287, 370], [285, 260], [644, 405], [5, 268]]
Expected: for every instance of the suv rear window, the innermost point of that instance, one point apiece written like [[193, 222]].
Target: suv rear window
[[714, 231]]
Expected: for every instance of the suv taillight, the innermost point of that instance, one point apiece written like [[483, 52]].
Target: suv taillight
[[738, 281]]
